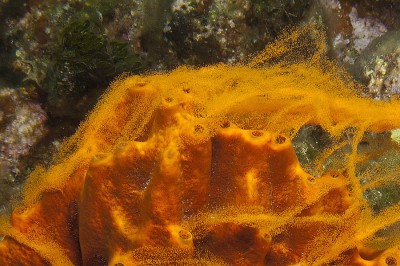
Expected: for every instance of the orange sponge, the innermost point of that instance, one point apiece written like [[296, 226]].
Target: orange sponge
[[197, 167]]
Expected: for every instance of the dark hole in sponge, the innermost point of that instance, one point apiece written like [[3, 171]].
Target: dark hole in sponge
[[225, 124], [198, 129], [280, 139], [184, 234], [391, 261], [256, 133]]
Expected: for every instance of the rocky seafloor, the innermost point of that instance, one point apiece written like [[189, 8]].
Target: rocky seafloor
[[59, 56]]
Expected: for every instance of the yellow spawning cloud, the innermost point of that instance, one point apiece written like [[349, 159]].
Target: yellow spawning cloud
[[197, 167]]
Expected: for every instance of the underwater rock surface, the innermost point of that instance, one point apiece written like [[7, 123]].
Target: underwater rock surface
[[22, 126], [204, 32], [71, 50], [379, 67], [197, 166]]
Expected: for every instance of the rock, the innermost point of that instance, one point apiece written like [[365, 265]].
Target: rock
[[22, 126], [379, 67]]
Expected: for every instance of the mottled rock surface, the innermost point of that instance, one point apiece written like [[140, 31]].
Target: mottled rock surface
[[22, 126]]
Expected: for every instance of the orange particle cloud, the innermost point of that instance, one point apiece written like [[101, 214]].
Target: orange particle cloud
[[197, 167]]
